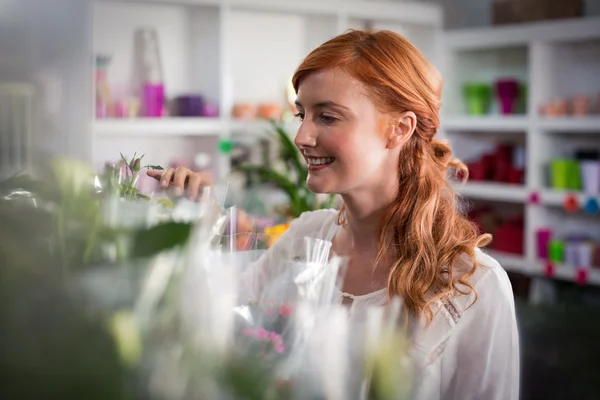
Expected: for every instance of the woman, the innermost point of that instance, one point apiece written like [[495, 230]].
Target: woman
[[369, 105]]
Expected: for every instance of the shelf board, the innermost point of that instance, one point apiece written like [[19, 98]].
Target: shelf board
[[410, 12], [518, 263], [567, 272], [510, 262], [407, 11], [499, 123], [214, 3], [575, 29], [494, 191], [158, 127], [556, 198], [568, 125], [260, 127]]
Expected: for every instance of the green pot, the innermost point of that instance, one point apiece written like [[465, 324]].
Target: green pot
[[565, 174], [478, 98], [556, 250]]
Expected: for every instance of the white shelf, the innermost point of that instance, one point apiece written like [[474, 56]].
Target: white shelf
[[510, 262], [568, 125], [567, 272], [494, 191], [407, 11], [260, 127], [519, 264], [512, 123], [510, 36], [144, 127], [556, 198], [169, 2]]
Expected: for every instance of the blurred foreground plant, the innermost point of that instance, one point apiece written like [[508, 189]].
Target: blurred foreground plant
[[66, 330], [79, 326]]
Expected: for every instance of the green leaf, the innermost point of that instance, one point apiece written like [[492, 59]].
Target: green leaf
[[159, 238], [298, 203], [132, 161], [292, 154]]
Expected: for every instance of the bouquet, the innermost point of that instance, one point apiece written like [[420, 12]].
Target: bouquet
[[268, 326]]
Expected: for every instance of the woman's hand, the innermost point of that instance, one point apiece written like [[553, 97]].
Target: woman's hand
[[181, 180]]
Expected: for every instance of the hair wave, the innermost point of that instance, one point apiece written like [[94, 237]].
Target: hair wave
[[423, 234]]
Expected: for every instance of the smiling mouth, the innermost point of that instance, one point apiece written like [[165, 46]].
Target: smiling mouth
[[319, 161]]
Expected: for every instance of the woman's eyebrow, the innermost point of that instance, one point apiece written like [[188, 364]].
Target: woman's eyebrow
[[324, 104]]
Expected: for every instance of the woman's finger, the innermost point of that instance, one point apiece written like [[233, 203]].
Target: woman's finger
[[155, 173], [181, 175], [167, 177], [194, 184]]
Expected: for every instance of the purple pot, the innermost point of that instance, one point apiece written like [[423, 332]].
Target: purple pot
[[543, 239], [189, 106], [507, 91]]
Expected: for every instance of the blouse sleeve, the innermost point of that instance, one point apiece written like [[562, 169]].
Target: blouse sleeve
[[481, 359]]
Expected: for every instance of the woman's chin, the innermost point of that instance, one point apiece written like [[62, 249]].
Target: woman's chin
[[317, 188]]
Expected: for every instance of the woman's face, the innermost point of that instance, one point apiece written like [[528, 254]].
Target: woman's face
[[343, 137]]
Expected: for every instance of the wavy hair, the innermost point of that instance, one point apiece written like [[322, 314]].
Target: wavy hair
[[424, 233]]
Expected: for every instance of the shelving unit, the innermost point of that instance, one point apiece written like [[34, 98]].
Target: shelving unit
[[228, 51], [568, 273], [511, 123], [511, 262], [151, 127], [570, 125], [556, 198], [554, 59], [495, 191]]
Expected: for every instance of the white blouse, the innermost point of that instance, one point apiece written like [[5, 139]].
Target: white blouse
[[466, 351]]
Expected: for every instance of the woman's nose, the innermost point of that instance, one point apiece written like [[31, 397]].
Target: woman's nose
[[306, 136]]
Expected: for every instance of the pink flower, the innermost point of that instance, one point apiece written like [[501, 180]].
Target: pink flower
[[262, 334], [266, 336], [285, 311], [279, 347]]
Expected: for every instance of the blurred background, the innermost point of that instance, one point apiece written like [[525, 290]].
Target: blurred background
[[193, 82]]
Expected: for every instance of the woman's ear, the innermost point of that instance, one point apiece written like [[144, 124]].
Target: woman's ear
[[402, 129]]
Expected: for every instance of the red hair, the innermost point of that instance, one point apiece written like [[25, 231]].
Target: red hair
[[424, 233]]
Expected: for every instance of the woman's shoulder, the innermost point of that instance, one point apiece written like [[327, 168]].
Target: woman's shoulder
[[316, 223], [490, 283]]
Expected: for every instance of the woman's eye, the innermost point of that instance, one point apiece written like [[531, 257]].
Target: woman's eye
[[299, 115], [328, 119]]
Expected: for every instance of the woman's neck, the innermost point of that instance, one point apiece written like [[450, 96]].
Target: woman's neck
[[363, 214]]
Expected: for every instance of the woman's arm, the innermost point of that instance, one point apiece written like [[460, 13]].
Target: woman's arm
[[481, 359]]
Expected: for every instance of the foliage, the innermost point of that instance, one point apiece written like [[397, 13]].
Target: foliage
[[63, 214], [123, 177], [53, 231], [292, 180]]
